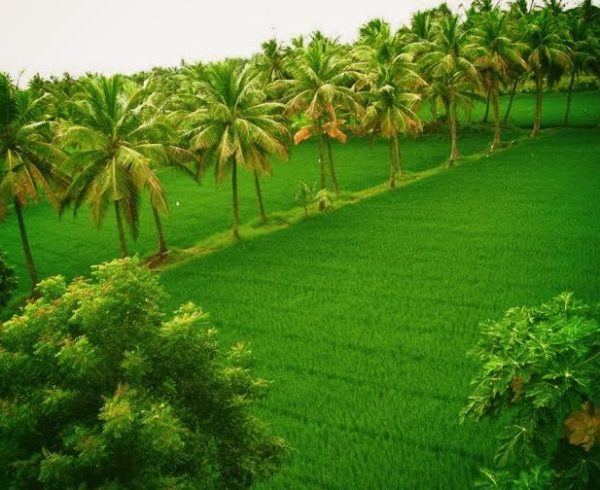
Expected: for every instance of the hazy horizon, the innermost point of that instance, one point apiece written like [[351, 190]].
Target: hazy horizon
[[126, 36], [79, 36]]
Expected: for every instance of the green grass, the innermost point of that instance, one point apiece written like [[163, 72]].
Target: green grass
[[69, 246], [362, 317], [584, 109]]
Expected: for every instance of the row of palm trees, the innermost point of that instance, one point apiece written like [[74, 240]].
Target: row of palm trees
[[100, 141]]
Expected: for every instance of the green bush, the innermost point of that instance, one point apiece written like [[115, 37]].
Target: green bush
[[100, 389], [541, 376], [8, 281]]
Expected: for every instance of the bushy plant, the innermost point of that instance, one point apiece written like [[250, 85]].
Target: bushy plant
[[8, 280], [541, 376], [100, 389]]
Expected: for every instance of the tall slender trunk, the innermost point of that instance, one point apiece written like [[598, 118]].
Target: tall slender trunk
[[447, 109], [120, 229], [392, 163], [234, 192], [398, 155], [336, 187], [162, 244], [322, 170], [569, 96], [496, 108], [25, 242], [261, 205], [434, 113], [487, 107], [539, 81], [510, 101], [453, 132]]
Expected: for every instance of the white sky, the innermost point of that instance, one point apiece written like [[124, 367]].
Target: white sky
[[53, 36]]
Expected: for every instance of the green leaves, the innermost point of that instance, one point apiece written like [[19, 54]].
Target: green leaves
[[99, 388], [541, 374]]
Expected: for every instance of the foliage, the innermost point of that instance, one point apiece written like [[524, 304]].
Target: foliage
[[8, 280], [305, 195], [541, 373], [100, 389]]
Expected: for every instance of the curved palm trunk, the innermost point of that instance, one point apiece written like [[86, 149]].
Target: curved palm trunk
[[434, 113], [510, 101], [569, 96], [399, 168], [261, 205], [487, 107], [392, 163], [236, 211], [322, 170], [336, 187], [120, 229], [538, 106], [162, 244], [496, 109], [25, 242], [453, 132]]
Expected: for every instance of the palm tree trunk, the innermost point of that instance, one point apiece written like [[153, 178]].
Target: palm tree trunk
[[453, 132], [398, 155], [434, 113], [336, 187], [234, 192], [392, 163], [569, 96], [162, 244], [120, 229], [261, 206], [496, 142], [322, 170], [538, 106], [25, 242], [510, 101], [487, 107]]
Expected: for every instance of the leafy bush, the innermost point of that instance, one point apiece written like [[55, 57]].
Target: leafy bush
[[541, 375], [100, 389], [8, 281]]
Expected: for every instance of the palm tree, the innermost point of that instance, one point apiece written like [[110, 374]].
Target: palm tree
[[28, 159], [391, 111], [236, 126], [546, 49], [495, 52], [320, 88], [448, 61], [115, 145], [580, 47]]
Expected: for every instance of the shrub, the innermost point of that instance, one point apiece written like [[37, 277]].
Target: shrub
[[100, 389], [8, 280], [541, 376]]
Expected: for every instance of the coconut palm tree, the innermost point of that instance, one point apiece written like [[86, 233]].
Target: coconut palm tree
[[114, 145], [546, 49], [495, 52], [28, 159], [390, 112], [321, 88], [449, 62], [580, 46], [236, 126]]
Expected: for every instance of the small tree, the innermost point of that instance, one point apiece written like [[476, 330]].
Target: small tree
[[8, 281], [541, 377], [100, 389], [305, 195]]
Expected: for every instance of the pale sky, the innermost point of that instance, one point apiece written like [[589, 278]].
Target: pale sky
[[108, 36], [53, 36]]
